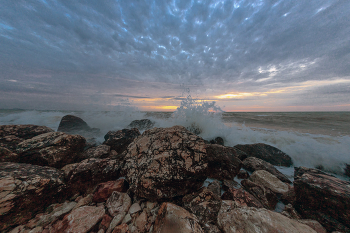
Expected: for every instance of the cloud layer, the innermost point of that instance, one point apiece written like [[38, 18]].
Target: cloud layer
[[68, 54]]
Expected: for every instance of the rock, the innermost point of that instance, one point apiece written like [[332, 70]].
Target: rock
[[217, 140], [204, 204], [166, 162], [141, 222], [104, 190], [120, 140], [210, 228], [314, 225], [72, 124], [266, 197], [84, 201], [25, 190], [141, 124], [7, 156], [267, 153], [288, 197], [172, 218], [127, 219], [322, 197], [134, 208], [253, 220], [242, 174], [18, 229], [253, 164], [90, 172], [347, 170], [118, 205], [270, 181], [290, 212], [106, 221], [227, 184], [51, 149], [80, 220], [215, 187], [222, 162], [123, 228], [101, 152], [57, 213], [12, 135], [241, 197], [68, 169]]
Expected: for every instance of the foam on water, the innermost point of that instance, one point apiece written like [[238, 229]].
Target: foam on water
[[310, 150]]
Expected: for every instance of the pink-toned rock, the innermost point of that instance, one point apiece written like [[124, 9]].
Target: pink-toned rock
[[269, 181], [253, 220], [12, 135], [84, 176], [25, 190], [141, 222], [54, 149], [134, 208], [123, 228], [118, 203], [84, 201], [242, 198], [80, 220], [104, 190], [172, 218], [120, 140], [106, 220], [314, 225]]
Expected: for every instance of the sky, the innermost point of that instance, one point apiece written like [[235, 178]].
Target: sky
[[246, 55]]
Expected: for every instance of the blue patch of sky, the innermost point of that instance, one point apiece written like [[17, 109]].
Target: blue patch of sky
[[5, 26]]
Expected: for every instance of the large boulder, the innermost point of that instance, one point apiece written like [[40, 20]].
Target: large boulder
[[253, 164], [322, 197], [72, 124], [25, 190], [101, 152], [242, 198], [172, 218], [253, 220], [269, 181], [120, 140], [141, 124], [84, 176], [267, 153], [54, 149], [12, 135]]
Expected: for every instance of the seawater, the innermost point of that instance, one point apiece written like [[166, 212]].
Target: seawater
[[312, 139]]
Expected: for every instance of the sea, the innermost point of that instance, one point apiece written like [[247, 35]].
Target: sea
[[312, 139]]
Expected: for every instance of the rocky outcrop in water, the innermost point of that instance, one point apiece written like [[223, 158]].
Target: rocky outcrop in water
[[71, 124], [54, 149], [12, 135], [25, 190], [120, 140], [267, 153], [322, 197]]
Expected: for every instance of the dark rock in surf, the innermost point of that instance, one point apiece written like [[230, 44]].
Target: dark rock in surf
[[141, 124], [243, 174], [84, 176], [54, 149], [242, 198], [267, 153], [322, 197], [347, 170], [74, 124], [267, 198], [120, 140], [25, 190], [217, 140], [7, 156], [253, 164], [12, 135]]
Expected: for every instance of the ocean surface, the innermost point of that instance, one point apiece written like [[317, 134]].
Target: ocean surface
[[312, 139]]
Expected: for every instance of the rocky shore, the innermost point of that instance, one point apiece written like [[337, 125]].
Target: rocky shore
[[154, 182]]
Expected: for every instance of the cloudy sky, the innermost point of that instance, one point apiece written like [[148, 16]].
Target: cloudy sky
[[247, 55]]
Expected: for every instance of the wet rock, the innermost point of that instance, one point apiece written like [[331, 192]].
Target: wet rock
[[80, 220], [266, 197], [173, 218], [85, 175], [253, 220], [51, 149], [314, 225], [100, 152], [141, 124], [227, 184], [267, 153], [25, 190], [222, 162], [166, 162], [322, 197], [7, 156], [12, 135], [104, 190], [73, 124], [204, 204], [270, 181], [242, 198], [253, 164], [242, 174], [290, 212], [217, 140], [120, 140], [215, 187]]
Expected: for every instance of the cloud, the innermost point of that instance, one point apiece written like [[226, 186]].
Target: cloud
[[131, 47]]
